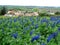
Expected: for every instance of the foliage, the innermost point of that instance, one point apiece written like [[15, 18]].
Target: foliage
[[44, 14], [3, 11], [30, 30], [57, 13], [35, 10]]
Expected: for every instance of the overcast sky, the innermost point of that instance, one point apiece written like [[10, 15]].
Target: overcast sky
[[31, 2]]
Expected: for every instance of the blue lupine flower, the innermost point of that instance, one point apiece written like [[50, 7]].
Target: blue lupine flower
[[44, 20], [59, 29], [32, 22], [31, 32], [58, 22], [27, 28], [52, 36], [53, 18], [15, 35], [35, 38], [36, 26], [58, 17], [31, 19], [43, 44], [53, 25], [55, 34], [15, 20]]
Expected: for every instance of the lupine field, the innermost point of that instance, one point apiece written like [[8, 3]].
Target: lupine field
[[30, 30]]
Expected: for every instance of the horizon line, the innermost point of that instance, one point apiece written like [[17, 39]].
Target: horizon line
[[29, 5]]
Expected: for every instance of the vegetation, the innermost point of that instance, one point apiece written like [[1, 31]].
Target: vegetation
[[35, 10], [57, 13], [44, 14], [3, 11], [43, 11], [30, 30]]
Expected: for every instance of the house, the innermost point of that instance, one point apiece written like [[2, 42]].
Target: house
[[36, 13], [19, 13], [11, 12], [31, 14]]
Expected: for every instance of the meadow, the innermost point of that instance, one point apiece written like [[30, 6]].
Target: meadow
[[31, 30]]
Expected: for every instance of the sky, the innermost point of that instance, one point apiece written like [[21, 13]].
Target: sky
[[55, 3]]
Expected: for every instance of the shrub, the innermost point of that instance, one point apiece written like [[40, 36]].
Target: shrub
[[43, 14], [57, 13], [35, 9]]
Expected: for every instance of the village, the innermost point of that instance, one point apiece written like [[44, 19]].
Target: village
[[13, 12], [21, 13]]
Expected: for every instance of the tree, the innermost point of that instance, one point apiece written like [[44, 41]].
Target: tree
[[57, 13], [3, 10], [35, 10]]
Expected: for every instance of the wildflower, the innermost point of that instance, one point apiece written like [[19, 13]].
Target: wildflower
[[59, 29], [44, 20], [58, 22], [36, 26], [32, 22], [54, 24], [31, 19], [15, 35], [35, 38], [53, 18], [51, 36], [27, 28], [15, 20], [31, 32], [43, 44]]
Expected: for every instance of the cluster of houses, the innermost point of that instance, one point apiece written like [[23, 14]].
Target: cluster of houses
[[24, 13], [21, 13]]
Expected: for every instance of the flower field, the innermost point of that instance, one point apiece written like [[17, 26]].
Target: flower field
[[30, 30]]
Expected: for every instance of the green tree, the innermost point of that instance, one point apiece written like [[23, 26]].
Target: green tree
[[3, 10], [35, 10]]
